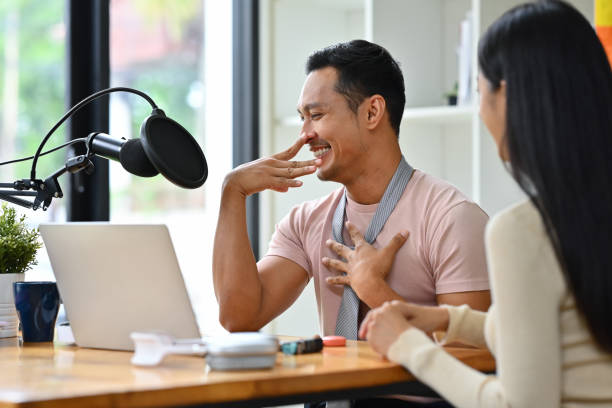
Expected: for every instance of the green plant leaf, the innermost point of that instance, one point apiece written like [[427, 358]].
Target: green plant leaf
[[18, 244]]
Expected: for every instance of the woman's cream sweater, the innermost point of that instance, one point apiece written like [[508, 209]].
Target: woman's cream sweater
[[544, 352]]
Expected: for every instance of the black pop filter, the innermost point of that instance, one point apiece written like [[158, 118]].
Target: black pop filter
[[164, 147], [173, 151]]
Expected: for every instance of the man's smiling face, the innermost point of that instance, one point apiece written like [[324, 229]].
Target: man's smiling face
[[331, 126]]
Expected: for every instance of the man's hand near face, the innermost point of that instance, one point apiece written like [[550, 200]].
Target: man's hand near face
[[276, 172], [251, 294]]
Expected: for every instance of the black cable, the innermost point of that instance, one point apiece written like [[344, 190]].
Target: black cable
[[76, 108], [75, 141]]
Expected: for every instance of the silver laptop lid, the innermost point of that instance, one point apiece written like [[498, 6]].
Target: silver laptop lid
[[116, 279]]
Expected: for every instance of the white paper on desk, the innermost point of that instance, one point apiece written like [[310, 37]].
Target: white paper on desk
[[63, 334]]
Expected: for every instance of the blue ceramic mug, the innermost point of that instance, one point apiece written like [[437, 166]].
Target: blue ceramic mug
[[37, 304]]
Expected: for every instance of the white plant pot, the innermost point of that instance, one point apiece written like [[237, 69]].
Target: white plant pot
[[6, 286], [7, 301]]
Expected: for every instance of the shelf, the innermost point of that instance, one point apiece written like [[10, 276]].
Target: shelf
[[291, 121], [437, 115]]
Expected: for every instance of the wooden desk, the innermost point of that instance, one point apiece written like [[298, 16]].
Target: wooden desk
[[60, 376]]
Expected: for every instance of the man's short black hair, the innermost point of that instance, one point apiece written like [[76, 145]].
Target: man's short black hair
[[364, 69]]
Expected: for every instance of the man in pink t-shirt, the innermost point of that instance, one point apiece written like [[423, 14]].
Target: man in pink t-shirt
[[444, 253], [351, 105]]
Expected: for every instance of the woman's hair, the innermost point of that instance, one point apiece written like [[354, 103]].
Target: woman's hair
[[559, 139]]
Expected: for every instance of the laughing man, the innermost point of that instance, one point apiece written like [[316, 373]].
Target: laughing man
[[351, 106]]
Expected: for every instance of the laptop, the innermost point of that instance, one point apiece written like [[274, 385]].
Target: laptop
[[117, 279]]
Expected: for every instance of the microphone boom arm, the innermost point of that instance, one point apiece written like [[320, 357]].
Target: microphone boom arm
[[9, 195], [183, 164], [47, 190]]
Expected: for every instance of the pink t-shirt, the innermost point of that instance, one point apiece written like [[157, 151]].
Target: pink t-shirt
[[443, 254]]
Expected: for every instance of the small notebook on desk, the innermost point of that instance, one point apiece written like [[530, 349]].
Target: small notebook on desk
[[117, 279]]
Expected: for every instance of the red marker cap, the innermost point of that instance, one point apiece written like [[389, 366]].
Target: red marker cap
[[334, 341]]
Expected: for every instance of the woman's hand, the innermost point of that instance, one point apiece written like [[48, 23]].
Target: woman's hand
[[382, 326], [366, 267]]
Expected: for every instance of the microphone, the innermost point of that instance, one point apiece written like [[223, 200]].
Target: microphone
[[129, 153], [164, 147]]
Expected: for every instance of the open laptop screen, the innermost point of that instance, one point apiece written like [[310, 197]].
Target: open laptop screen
[[116, 279]]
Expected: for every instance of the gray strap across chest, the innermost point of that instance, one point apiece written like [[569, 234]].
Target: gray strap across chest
[[348, 314]]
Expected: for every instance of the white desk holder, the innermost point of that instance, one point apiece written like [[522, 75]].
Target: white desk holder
[[151, 348], [235, 351]]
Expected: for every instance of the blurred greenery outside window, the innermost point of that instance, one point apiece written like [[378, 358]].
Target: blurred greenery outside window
[[32, 84], [32, 88], [156, 47]]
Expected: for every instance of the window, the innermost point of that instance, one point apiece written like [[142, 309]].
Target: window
[[179, 53], [32, 84]]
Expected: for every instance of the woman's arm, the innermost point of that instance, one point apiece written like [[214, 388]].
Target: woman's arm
[[465, 326], [527, 294]]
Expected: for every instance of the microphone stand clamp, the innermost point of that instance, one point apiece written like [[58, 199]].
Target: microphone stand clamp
[[47, 190]]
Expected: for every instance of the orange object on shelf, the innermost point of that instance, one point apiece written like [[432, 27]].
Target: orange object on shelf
[[603, 24]]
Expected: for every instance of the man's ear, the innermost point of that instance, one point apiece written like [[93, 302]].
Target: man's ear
[[375, 108]]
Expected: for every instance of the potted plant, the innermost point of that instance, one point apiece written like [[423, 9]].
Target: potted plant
[[18, 246], [451, 96]]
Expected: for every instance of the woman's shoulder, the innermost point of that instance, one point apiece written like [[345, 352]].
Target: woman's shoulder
[[521, 220], [518, 247]]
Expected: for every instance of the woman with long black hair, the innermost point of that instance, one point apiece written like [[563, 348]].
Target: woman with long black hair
[[546, 96]]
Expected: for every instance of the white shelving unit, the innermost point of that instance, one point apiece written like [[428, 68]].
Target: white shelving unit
[[435, 115], [449, 142], [439, 115]]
